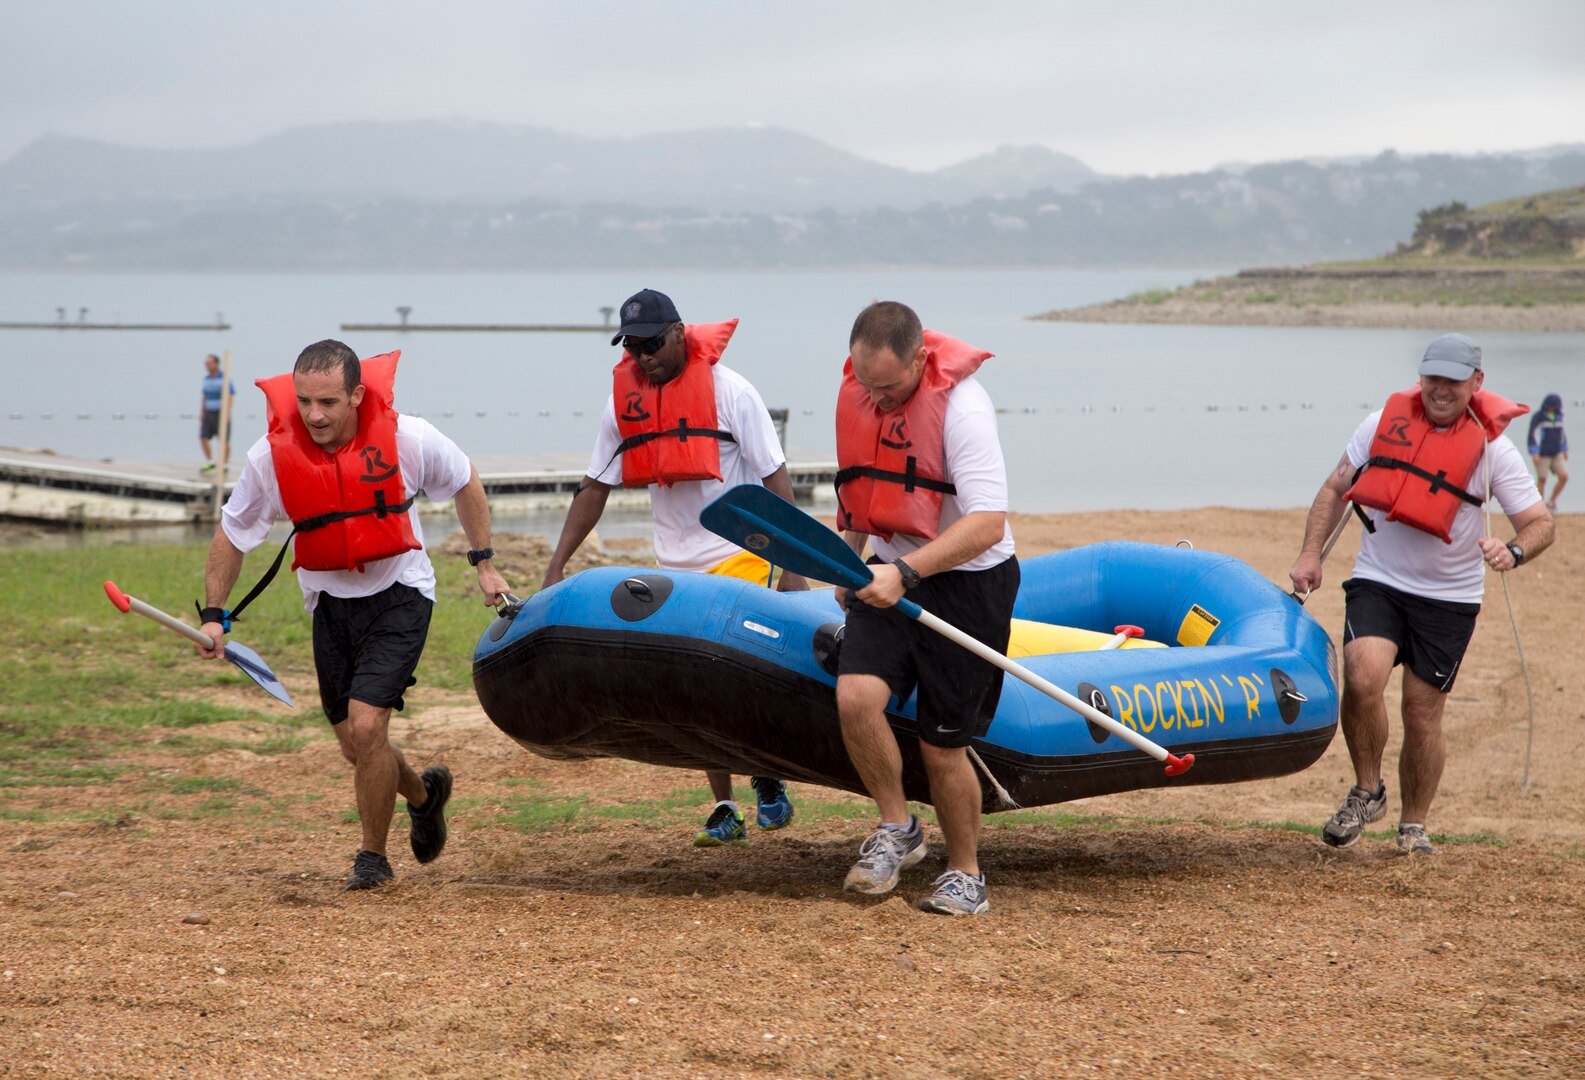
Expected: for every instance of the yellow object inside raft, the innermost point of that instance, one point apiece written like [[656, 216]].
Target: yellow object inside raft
[[1031, 638]]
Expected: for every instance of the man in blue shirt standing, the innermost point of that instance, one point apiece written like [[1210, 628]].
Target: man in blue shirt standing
[[209, 423]]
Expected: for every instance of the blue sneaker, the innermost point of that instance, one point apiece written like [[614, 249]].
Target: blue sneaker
[[775, 808], [724, 826]]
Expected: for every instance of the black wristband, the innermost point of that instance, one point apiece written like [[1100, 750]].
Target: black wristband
[[477, 557], [911, 577], [212, 615]]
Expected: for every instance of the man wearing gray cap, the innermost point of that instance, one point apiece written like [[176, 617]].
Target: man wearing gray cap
[[1418, 471]]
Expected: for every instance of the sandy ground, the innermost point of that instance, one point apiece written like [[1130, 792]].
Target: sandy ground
[[1179, 932]]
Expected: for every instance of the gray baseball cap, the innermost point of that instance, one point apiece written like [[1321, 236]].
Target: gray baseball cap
[[1451, 356]]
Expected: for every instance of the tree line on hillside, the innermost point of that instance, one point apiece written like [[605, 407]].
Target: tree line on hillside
[[1269, 214]]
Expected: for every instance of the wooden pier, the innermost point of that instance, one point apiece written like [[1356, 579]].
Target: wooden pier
[[216, 326], [488, 328], [42, 486]]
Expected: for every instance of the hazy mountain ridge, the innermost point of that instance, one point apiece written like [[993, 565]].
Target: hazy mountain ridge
[[762, 169], [1287, 212]]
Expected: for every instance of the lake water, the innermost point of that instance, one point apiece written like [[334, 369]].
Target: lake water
[[1096, 416]]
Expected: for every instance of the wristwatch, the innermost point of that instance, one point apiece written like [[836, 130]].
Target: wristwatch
[[1517, 552], [911, 576], [477, 557]]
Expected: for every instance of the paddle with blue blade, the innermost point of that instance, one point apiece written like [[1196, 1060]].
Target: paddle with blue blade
[[763, 522], [251, 664]]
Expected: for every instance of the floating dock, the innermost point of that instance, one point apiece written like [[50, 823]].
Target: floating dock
[[489, 328], [215, 326], [43, 486]]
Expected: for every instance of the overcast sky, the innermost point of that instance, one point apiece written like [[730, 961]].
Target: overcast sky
[[1128, 86]]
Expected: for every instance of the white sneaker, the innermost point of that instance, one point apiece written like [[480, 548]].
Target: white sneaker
[[1360, 808], [1412, 840], [957, 893], [883, 858]]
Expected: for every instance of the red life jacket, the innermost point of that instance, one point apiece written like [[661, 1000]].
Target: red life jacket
[[891, 466], [669, 432], [1418, 473], [347, 508]]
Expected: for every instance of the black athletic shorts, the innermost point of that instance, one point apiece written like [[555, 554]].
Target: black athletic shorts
[[209, 425], [367, 647], [1431, 635], [958, 691]]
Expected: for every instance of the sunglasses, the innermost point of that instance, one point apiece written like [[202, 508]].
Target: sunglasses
[[647, 346]]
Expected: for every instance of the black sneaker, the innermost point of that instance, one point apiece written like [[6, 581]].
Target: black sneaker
[[369, 869], [429, 821]]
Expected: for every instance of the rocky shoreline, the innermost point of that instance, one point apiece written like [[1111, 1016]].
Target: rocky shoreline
[[1542, 299]]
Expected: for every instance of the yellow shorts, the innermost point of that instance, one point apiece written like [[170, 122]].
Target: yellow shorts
[[745, 566]]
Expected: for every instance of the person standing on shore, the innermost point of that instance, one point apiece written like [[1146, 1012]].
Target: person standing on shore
[[922, 478], [1420, 575], [344, 467], [687, 427], [1549, 447], [215, 393]]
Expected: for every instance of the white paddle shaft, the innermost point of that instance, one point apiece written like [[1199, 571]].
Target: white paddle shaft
[[1089, 712], [170, 622]]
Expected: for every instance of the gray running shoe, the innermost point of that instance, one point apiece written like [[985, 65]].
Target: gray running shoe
[[884, 856], [369, 869], [1359, 809], [1412, 840], [957, 893]]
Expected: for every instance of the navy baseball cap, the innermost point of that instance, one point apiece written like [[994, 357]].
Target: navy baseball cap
[[645, 314], [1451, 356]]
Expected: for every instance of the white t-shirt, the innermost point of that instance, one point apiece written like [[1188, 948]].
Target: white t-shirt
[[1419, 563], [974, 465], [431, 463], [681, 543]]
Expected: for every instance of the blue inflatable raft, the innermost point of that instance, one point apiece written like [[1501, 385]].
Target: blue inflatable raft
[[700, 671]]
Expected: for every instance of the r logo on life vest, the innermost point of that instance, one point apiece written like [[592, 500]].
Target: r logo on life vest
[[633, 409], [896, 436], [1397, 433], [375, 469], [756, 541]]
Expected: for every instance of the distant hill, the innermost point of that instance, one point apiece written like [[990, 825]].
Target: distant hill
[[1517, 264], [1549, 227], [734, 170], [430, 197]]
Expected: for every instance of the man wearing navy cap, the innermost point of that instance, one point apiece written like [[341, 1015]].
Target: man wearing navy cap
[[1418, 471], [687, 427]]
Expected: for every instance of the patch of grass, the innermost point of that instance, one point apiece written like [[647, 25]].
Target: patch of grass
[[528, 815], [192, 785], [285, 743], [1282, 826], [1152, 296], [60, 774], [1485, 839]]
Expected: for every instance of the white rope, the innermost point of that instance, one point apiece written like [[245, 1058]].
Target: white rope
[[1006, 800], [1524, 664]]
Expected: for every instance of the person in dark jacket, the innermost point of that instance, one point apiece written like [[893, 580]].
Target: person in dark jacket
[[1549, 447]]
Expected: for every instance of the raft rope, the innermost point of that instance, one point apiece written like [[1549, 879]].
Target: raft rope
[[1007, 801], [1513, 620]]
